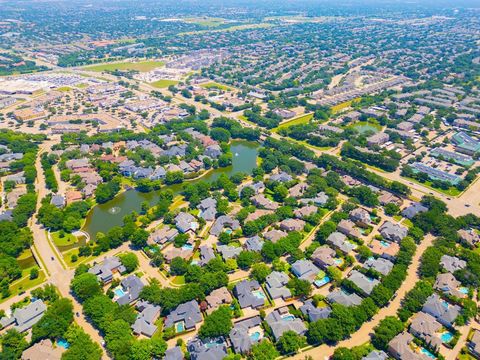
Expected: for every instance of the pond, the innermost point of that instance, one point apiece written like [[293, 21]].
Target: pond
[[363, 127], [101, 218]]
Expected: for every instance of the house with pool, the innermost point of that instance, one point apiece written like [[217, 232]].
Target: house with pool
[[250, 294], [427, 328], [245, 334], [211, 349], [185, 317], [281, 320]]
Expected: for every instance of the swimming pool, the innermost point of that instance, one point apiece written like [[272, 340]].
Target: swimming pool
[[385, 243], [428, 353], [259, 294], [446, 337], [180, 327], [288, 317], [338, 262], [187, 247], [63, 343], [119, 292], [321, 282], [228, 231], [463, 290], [213, 343], [255, 336]]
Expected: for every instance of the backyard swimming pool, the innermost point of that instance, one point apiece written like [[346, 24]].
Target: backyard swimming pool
[[255, 336], [187, 247], [446, 337], [259, 294], [428, 353], [119, 292], [63, 343]]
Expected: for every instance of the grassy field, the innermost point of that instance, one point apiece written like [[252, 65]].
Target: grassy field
[[207, 22], [64, 89], [341, 106], [142, 66], [453, 191], [214, 85], [232, 28], [302, 119], [161, 84], [68, 239], [24, 283]]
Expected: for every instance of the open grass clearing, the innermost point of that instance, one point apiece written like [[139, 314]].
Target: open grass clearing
[[299, 120], [142, 66], [162, 84]]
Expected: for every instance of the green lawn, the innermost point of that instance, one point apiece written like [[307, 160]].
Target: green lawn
[[68, 239], [453, 191], [67, 257], [25, 283], [161, 84], [231, 28], [142, 66], [178, 280], [302, 119], [215, 85]]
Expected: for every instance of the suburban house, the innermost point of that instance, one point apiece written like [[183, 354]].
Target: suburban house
[[132, 286], [249, 294], [274, 235], [424, 326], [452, 263], [385, 249], [206, 254], [361, 217], [199, 350], [305, 211], [399, 347], [24, 318], [474, 343], [470, 237], [163, 235], [324, 257], [186, 222], [341, 297], [443, 311], [415, 208], [224, 222], [261, 201], [315, 313], [305, 270], [276, 285], [107, 268], [187, 315], [281, 321], [347, 227], [447, 284], [376, 355], [174, 353], [292, 225], [229, 252], [43, 350], [244, 334], [364, 283], [145, 322], [217, 298], [339, 241], [393, 232], [380, 265], [254, 243]]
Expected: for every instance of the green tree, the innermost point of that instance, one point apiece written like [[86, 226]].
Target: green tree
[[85, 286], [260, 271], [290, 342], [81, 345], [387, 329], [13, 344], [218, 323], [264, 350], [130, 261], [55, 321]]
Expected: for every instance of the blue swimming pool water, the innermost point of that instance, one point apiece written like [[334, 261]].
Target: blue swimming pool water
[[428, 353], [255, 336], [259, 294], [321, 282], [119, 292], [288, 317], [187, 247], [338, 261], [446, 337], [63, 343], [463, 290], [228, 231], [213, 343], [385, 243], [179, 327]]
